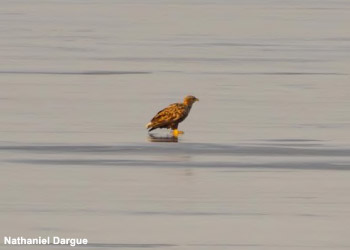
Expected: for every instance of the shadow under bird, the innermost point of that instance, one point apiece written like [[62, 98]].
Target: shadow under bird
[[171, 116]]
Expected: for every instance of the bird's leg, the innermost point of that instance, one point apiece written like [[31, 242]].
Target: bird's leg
[[177, 132]]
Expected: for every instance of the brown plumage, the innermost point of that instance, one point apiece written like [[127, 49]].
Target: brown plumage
[[171, 116]]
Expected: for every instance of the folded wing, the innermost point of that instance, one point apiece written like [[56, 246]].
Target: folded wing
[[172, 114]]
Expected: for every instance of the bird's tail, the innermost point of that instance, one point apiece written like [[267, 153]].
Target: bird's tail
[[150, 126]]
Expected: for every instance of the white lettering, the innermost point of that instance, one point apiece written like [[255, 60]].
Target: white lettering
[[21, 241], [44, 241], [7, 240], [72, 242], [56, 240]]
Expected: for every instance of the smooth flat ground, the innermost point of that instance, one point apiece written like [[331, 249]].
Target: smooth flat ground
[[264, 161]]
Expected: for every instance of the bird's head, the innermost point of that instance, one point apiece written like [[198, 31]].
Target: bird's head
[[190, 99]]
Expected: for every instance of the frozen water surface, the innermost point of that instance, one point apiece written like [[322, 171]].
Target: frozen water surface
[[263, 164]]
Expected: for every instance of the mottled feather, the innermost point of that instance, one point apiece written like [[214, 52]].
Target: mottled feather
[[172, 115]]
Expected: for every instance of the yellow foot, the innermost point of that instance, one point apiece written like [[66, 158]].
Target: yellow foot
[[177, 132]]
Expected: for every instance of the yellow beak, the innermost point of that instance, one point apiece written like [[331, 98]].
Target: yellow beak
[[197, 99]]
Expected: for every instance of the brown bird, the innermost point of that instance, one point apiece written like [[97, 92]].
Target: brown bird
[[171, 116]]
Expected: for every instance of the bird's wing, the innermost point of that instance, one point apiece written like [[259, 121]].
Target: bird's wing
[[170, 114]]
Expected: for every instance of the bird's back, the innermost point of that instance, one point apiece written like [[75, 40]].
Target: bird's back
[[173, 114]]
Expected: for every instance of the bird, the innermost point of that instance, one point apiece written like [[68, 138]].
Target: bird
[[171, 116]]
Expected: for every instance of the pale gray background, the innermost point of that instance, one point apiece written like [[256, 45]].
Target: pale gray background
[[264, 162]]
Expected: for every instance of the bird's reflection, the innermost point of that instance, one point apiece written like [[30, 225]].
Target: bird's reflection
[[164, 138]]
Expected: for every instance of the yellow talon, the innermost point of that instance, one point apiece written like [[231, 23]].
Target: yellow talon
[[177, 132]]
